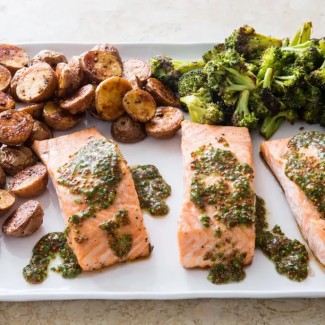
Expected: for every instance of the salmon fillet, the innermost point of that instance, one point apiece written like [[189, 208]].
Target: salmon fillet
[[94, 253], [196, 241], [308, 218]]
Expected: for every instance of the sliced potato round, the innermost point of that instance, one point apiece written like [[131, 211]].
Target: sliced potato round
[[39, 132], [30, 182], [24, 221], [68, 80], [2, 178], [109, 48], [126, 130], [13, 57], [166, 122], [7, 200], [140, 105], [109, 96], [136, 68], [161, 93], [15, 127], [5, 78], [15, 159], [50, 57], [75, 63], [35, 110], [59, 119], [14, 82], [6, 102], [100, 65], [36, 83], [82, 100]]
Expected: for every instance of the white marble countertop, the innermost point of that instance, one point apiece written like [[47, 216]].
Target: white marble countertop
[[157, 21]]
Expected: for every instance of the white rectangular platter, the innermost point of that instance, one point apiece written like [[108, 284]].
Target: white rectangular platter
[[161, 276]]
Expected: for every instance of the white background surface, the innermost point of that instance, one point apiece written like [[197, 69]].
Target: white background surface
[[160, 21]]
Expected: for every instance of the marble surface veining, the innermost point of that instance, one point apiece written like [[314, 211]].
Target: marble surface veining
[[157, 21]]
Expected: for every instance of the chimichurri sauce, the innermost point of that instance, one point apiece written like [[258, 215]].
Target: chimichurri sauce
[[151, 188], [44, 251], [290, 256], [308, 171]]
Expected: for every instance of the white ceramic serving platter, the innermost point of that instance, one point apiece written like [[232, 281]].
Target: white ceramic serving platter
[[160, 276]]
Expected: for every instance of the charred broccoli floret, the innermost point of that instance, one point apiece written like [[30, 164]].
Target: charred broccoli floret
[[313, 109], [211, 54], [318, 77], [190, 82]]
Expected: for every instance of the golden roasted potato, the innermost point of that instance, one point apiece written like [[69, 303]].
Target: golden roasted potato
[[135, 68], [108, 97], [161, 93], [6, 102], [30, 182], [14, 82], [24, 221], [126, 130], [109, 48], [5, 78], [68, 80], [140, 105], [166, 122], [35, 110], [37, 83], [59, 119], [100, 65], [7, 200], [50, 57], [75, 63], [82, 100], [13, 57], [15, 127], [15, 159], [2, 178], [39, 132]]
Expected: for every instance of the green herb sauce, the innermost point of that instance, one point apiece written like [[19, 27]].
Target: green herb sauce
[[290, 256], [151, 188], [44, 251]]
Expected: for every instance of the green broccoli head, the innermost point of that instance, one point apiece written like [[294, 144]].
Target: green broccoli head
[[285, 83], [211, 54], [271, 58], [318, 77], [310, 59], [190, 82], [312, 111]]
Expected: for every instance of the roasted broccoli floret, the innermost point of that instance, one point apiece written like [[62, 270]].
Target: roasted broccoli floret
[[211, 54], [190, 82], [272, 123], [285, 82], [302, 35], [314, 106], [318, 77]]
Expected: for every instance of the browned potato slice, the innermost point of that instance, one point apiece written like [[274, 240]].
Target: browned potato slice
[[30, 182], [50, 57], [14, 82], [6, 102], [126, 130], [140, 105], [37, 83], [75, 63], [109, 48], [161, 93], [7, 200], [166, 122], [15, 127], [15, 159], [13, 57], [24, 221], [133, 68], [5, 78], [39, 132], [108, 97], [35, 110], [59, 119], [68, 80], [2, 178], [100, 65], [82, 100]]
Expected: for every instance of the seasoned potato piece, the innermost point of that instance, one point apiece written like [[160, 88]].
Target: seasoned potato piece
[[15, 159], [14, 82], [37, 83], [35, 110], [5, 78], [39, 132], [68, 80], [75, 63], [24, 221], [7, 200], [13, 57], [126, 130], [82, 100], [2, 178], [109, 48], [6, 102], [15, 127], [108, 97], [50, 57], [140, 105], [59, 119], [30, 182], [161, 93], [133, 68], [100, 65], [166, 122]]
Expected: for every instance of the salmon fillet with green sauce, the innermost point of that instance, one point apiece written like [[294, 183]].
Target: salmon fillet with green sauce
[[97, 197], [218, 213], [299, 165]]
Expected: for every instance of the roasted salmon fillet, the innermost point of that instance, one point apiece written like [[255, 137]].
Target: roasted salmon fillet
[[113, 234], [218, 213], [299, 165]]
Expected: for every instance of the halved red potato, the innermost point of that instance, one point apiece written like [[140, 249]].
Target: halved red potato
[[6, 102], [75, 63], [68, 80], [39, 132], [13, 57], [7, 200], [53, 58], [5, 78], [35, 110], [14, 83], [136, 68], [109, 48]]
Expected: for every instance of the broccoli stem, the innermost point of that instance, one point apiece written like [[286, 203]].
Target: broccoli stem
[[267, 81], [302, 35], [271, 124], [298, 48], [184, 67], [242, 106], [242, 79], [259, 41]]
